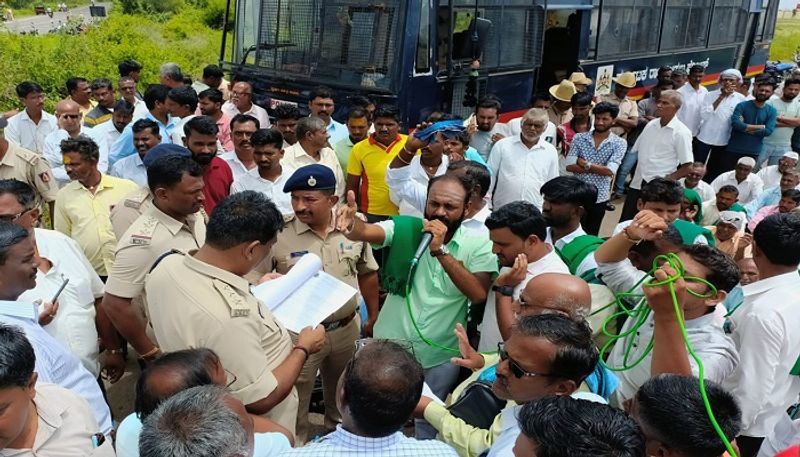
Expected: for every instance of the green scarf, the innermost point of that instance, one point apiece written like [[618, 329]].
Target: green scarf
[[690, 231], [407, 235], [694, 198]]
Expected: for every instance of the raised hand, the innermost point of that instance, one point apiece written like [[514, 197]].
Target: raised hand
[[470, 358], [346, 214]]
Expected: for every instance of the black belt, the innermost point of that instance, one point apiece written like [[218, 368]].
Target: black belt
[[331, 326]]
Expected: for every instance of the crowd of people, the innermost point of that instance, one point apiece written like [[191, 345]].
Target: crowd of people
[[135, 224]]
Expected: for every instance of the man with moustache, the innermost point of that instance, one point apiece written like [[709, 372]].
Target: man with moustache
[[241, 102], [312, 230], [521, 164], [145, 137], [201, 140], [488, 130], [70, 123], [269, 176], [518, 232], [455, 268], [157, 110], [209, 102], [788, 108], [322, 105], [107, 133], [242, 128], [594, 158]]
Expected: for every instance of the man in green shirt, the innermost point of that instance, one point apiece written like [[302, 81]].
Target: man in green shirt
[[457, 268]]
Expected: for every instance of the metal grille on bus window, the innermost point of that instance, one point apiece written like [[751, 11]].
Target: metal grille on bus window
[[459, 88], [350, 42]]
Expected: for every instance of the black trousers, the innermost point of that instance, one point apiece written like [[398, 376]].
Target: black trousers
[[722, 161], [629, 209], [593, 218], [749, 445]]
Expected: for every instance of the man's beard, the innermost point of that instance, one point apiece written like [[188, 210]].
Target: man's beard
[[451, 226], [203, 159]]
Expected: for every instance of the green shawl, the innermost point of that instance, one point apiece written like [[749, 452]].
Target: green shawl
[[407, 235]]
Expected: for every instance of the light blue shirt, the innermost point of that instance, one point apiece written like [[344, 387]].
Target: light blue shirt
[[55, 365], [768, 197], [123, 147], [264, 444], [341, 443], [337, 131], [132, 168]]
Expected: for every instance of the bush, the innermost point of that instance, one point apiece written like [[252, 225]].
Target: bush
[[179, 37]]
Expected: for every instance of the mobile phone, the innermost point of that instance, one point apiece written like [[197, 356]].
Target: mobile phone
[[60, 289]]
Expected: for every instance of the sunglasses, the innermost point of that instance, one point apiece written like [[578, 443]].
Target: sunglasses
[[70, 116], [516, 370]]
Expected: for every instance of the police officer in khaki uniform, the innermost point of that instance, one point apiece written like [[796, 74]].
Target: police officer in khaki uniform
[[172, 222], [26, 166], [135, 204], [200, 299], [312, 229]]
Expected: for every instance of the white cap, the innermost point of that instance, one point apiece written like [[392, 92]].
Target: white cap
[[792, 155], [748, 161], [734, 218]]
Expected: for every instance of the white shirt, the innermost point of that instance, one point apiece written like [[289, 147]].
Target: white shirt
[[748, 189], [770, 176], [139, 110], [519, 171], [588, 263], [715, 128], [477, 223], [708, 339], [177, 135], [549, 135], [490, 330], [295, 157], [408, 186], [256, 111], [237, 166], [23, 132], [503, 446], [765, 330], [106, 133], [56, 365], [74, 324], [252, 180], [52, 152], [132, 168], [703, 188], [661, 150], [689, 113]]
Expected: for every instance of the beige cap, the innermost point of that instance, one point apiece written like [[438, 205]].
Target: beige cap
[[578, 77], [627, 79], [563, 91]]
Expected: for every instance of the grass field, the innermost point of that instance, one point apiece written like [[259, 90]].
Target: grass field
[[787, 39]]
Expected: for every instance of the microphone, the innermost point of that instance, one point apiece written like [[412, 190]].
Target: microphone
[[427, 237]]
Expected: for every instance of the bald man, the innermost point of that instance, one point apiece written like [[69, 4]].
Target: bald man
[[70, 125], [548, 293]]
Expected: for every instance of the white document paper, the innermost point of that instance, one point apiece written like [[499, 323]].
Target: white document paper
[[305, 295], [25, 310], [427, 392]]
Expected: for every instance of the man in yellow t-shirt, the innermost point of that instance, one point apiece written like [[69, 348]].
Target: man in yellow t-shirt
[[366, 167]]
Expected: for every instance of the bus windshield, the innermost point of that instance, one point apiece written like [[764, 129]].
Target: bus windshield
[[348, 42]]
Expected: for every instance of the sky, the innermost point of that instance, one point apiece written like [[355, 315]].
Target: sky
[[788, 4]]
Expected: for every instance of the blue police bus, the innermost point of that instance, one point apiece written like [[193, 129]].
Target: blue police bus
[[420, 54]]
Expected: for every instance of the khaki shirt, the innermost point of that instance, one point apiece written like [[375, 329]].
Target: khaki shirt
[[29, 167], [341, 258], [125, 213], [151, 235], [559, 117], [193, 304], [65, 429], [627, 110]]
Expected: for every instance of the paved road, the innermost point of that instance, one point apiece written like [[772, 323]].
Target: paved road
[[44, 23]]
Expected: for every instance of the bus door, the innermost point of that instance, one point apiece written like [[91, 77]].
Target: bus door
[[564, 42], [461, 34]]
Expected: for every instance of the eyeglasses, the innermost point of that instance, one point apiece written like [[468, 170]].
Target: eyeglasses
[[13, 217], [240, 94], [230, 375], [71, 116], [516, 370]]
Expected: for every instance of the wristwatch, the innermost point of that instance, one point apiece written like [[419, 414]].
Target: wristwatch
[[508, 291], [441, 251], [587, 166]]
